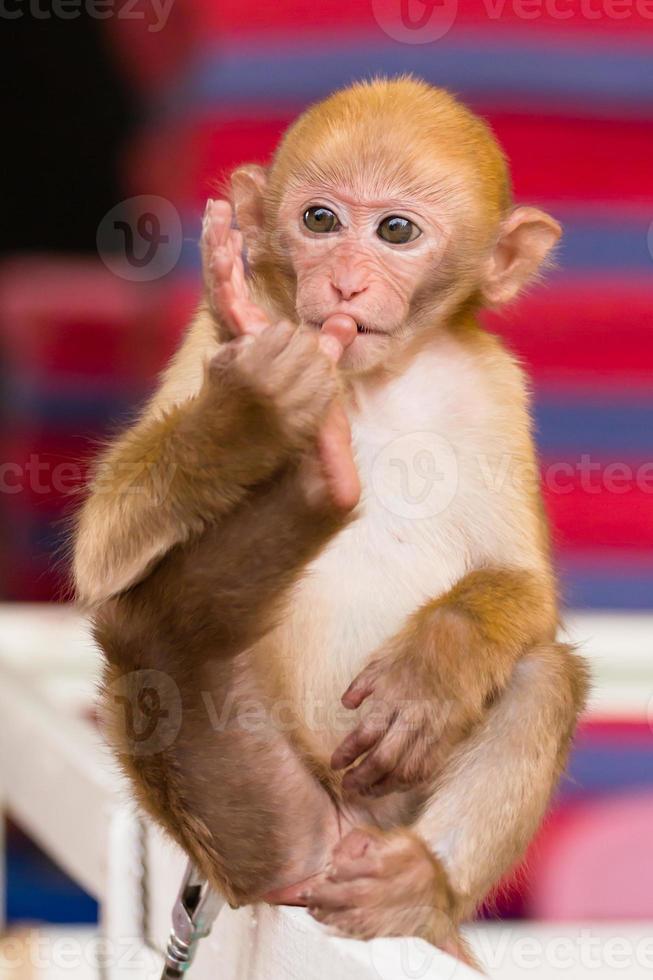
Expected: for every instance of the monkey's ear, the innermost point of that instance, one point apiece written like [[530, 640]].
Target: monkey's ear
[[526, 238], [247, 188]]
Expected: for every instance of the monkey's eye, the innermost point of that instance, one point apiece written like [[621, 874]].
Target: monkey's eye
[[321, 219], [397, 230]]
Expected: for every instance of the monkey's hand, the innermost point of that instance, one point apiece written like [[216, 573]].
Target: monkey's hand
[[332, 474], [408, 724], [384, 884], [225, 283], [434, 680], [281, 377]]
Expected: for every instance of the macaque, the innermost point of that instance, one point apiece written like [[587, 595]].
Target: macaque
[[370, 708]]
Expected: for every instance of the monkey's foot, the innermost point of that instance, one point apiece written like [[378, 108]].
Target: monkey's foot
[[386, 884]]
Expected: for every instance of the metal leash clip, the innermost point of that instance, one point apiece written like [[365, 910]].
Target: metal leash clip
[[193, 915]]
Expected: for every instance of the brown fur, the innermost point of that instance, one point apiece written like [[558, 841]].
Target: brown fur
[[195, 618], [185, 465]]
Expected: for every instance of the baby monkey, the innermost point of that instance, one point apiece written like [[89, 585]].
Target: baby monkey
[[363, 706]]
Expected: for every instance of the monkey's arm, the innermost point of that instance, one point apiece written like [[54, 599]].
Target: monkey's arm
[[436, 678], [189, 461]]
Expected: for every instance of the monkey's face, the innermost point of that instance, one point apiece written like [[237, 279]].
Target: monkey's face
[[363, 256], [388, 202]]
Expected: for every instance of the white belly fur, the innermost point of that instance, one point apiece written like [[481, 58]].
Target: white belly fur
[[387, 563], [354, 597]]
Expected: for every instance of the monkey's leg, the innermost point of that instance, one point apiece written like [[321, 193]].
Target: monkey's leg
[[492, 795], [221, 775], [485, 807], [219, 770]]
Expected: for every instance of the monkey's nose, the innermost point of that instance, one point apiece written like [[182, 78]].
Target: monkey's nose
[[348, 283], [348, 290]]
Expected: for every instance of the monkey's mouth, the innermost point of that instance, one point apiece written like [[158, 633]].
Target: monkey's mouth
[[361, 329]]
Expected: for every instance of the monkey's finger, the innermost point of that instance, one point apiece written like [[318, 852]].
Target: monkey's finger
[[235, 242], [409, 769], [332, 347], [222, 295], [378, 764], [364, 776], [222, 264], [361, 687], [227, 264], [337, 461], [239, 280], [336, 333], [223, 300], [216, 264], [233, 246], [216, 224], [342, 327], [362, 739], [339, 421], [222, 260], [215, 255]]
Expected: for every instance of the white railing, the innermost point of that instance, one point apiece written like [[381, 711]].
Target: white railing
[[60, 784]]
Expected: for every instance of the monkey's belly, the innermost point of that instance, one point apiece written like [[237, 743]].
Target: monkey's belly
[[352, 599]]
